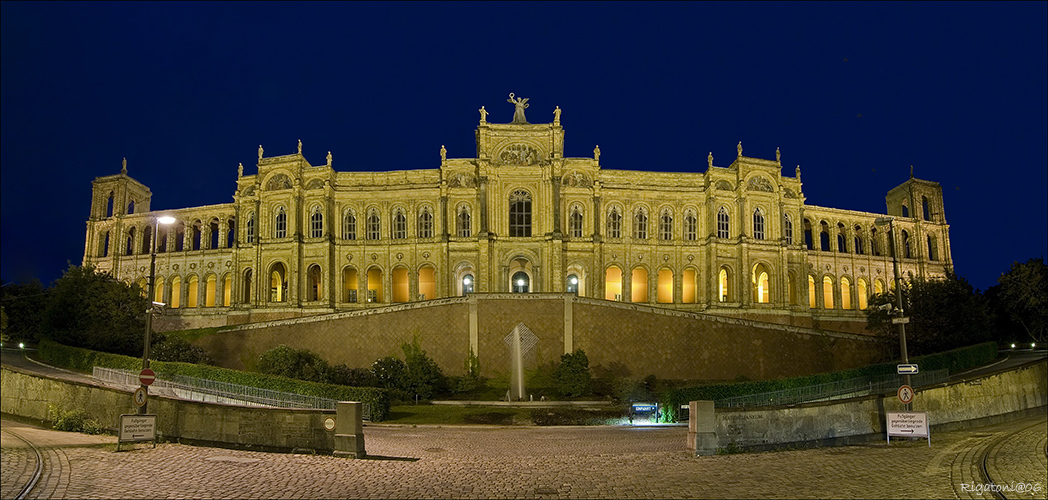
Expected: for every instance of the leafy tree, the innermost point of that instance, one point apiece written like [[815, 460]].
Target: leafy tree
[[572, 377], [23, 305], [944, 314], [1021, 296], [177, 349], [88, 308], [389, 371], [301, 364], [422, 376]]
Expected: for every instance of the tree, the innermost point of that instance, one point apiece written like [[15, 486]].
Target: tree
[[88, 308], [422, 376], [572, 377], [1021, 296], [944, 314], [177, 349], [23, 305]]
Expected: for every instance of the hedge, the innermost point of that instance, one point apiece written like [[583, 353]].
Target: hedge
[[84, 360], [956, 360]]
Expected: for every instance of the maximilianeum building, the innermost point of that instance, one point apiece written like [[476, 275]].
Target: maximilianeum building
[[519, 217]]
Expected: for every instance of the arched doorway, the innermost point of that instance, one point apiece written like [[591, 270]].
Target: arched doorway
[[521, 282], [277, 283]]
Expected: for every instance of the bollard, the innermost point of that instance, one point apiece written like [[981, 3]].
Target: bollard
[[349, 430], [702, 435]]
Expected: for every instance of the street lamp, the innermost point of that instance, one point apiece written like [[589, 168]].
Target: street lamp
[[890, 222], [157, 221]]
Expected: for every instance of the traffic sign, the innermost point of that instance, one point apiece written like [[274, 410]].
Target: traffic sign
[[140, 396], [906, 394], [900, 321], [907, 369], [147, 376], [907, 424], [134, 428]]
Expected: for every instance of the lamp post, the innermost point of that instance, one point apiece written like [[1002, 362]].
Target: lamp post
[[890, 221], [157, 221]]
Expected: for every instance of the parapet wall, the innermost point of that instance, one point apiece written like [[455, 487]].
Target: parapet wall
[[645, 340], [266, 429]]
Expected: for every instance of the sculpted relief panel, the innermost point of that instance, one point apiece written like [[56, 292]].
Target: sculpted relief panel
[[518, 154]]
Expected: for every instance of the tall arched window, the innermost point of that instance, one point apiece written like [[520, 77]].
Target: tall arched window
[[277, 283], [315, 281], [521, 282], [858, 240], [691, 229], [862, 293], [640, 224], [906, 245], [924, 208], [758, 224], [933, 254], [425, 224], [572, 284], [827, 292], [467, 284], [131, 208], [614, 223], [666, 226], [316, 223], [214, 233], [247, 287], [400, 225], [231, 233], [809, 238], [198, 236], [824, 237], [761, 291], [787, 228], [280, 225], [349, 226], [846, 302], [251, 227], [812, 304], [723, 223], [147, 239], [575, 222], [130, 241], [905, 211], [520, 214], [464, 227], [724, 285], [109, 205], [875, 246], [374, 226]]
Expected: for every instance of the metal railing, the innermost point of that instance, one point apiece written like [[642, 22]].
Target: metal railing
[[840, 389], [198, 389]]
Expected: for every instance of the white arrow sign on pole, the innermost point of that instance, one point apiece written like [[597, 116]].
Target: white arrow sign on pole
[[907, 369]]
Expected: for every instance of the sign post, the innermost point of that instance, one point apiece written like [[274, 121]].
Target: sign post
[[907, 424], [135, 428]]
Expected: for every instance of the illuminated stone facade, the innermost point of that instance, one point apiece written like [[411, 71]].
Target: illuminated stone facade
[[300, 239]]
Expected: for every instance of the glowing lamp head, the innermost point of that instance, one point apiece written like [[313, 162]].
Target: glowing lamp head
[[167, 219], [520, 282]]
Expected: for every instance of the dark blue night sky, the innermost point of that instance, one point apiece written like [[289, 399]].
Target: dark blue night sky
[[853, 92]]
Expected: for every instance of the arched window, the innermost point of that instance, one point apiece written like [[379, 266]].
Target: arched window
[[400, 225], [277, 283], [575, 222], [349, 226], [613, 284], [724, 285], [666, 226], [130, 241], [932, 248], [759, 278], [614, 223], [924, 208], [315, 281], [280, 225], [425, 224], [845, 293], [109, 205], [247, 287], [809, 239], [210, 290], [758, 224], [858, 240], [811, 292], [193, 291], [723, 227], [905, 211], [316, 223], [878, 287], [231, 233], [161, 241], [787, 228], [521, 282], [131, 208], [824, 237], [467, 284], [906, 245], [251, 227], [349, 284], [520, 214], [176, 293], [180, 236], [572, 284], [213, 232], [198, 236], [147, 240], [374, 226], [827, 292], [464, 228], [691, 229], [840, 244], [875, 246], [862, 294], [427, 283], [640, 224]]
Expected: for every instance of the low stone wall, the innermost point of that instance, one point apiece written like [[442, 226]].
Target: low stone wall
[[862, 419], [26, 396]]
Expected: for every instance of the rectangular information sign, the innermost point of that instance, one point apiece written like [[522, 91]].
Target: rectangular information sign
[[137, 428], [907, 424]]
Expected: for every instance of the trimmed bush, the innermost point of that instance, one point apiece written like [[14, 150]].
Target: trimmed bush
[[84, 360]]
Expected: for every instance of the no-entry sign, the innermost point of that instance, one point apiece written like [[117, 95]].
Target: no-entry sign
[[147, 376]]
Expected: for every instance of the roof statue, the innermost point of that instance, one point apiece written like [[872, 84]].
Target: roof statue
[[596, 153], [260, 152], [329, 158], [556, 116], [709, 159], [300, 146], [483, 115], [778, 155], [123, 168], [521, 104], [443, 154], [240, 169], [739, 147]]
